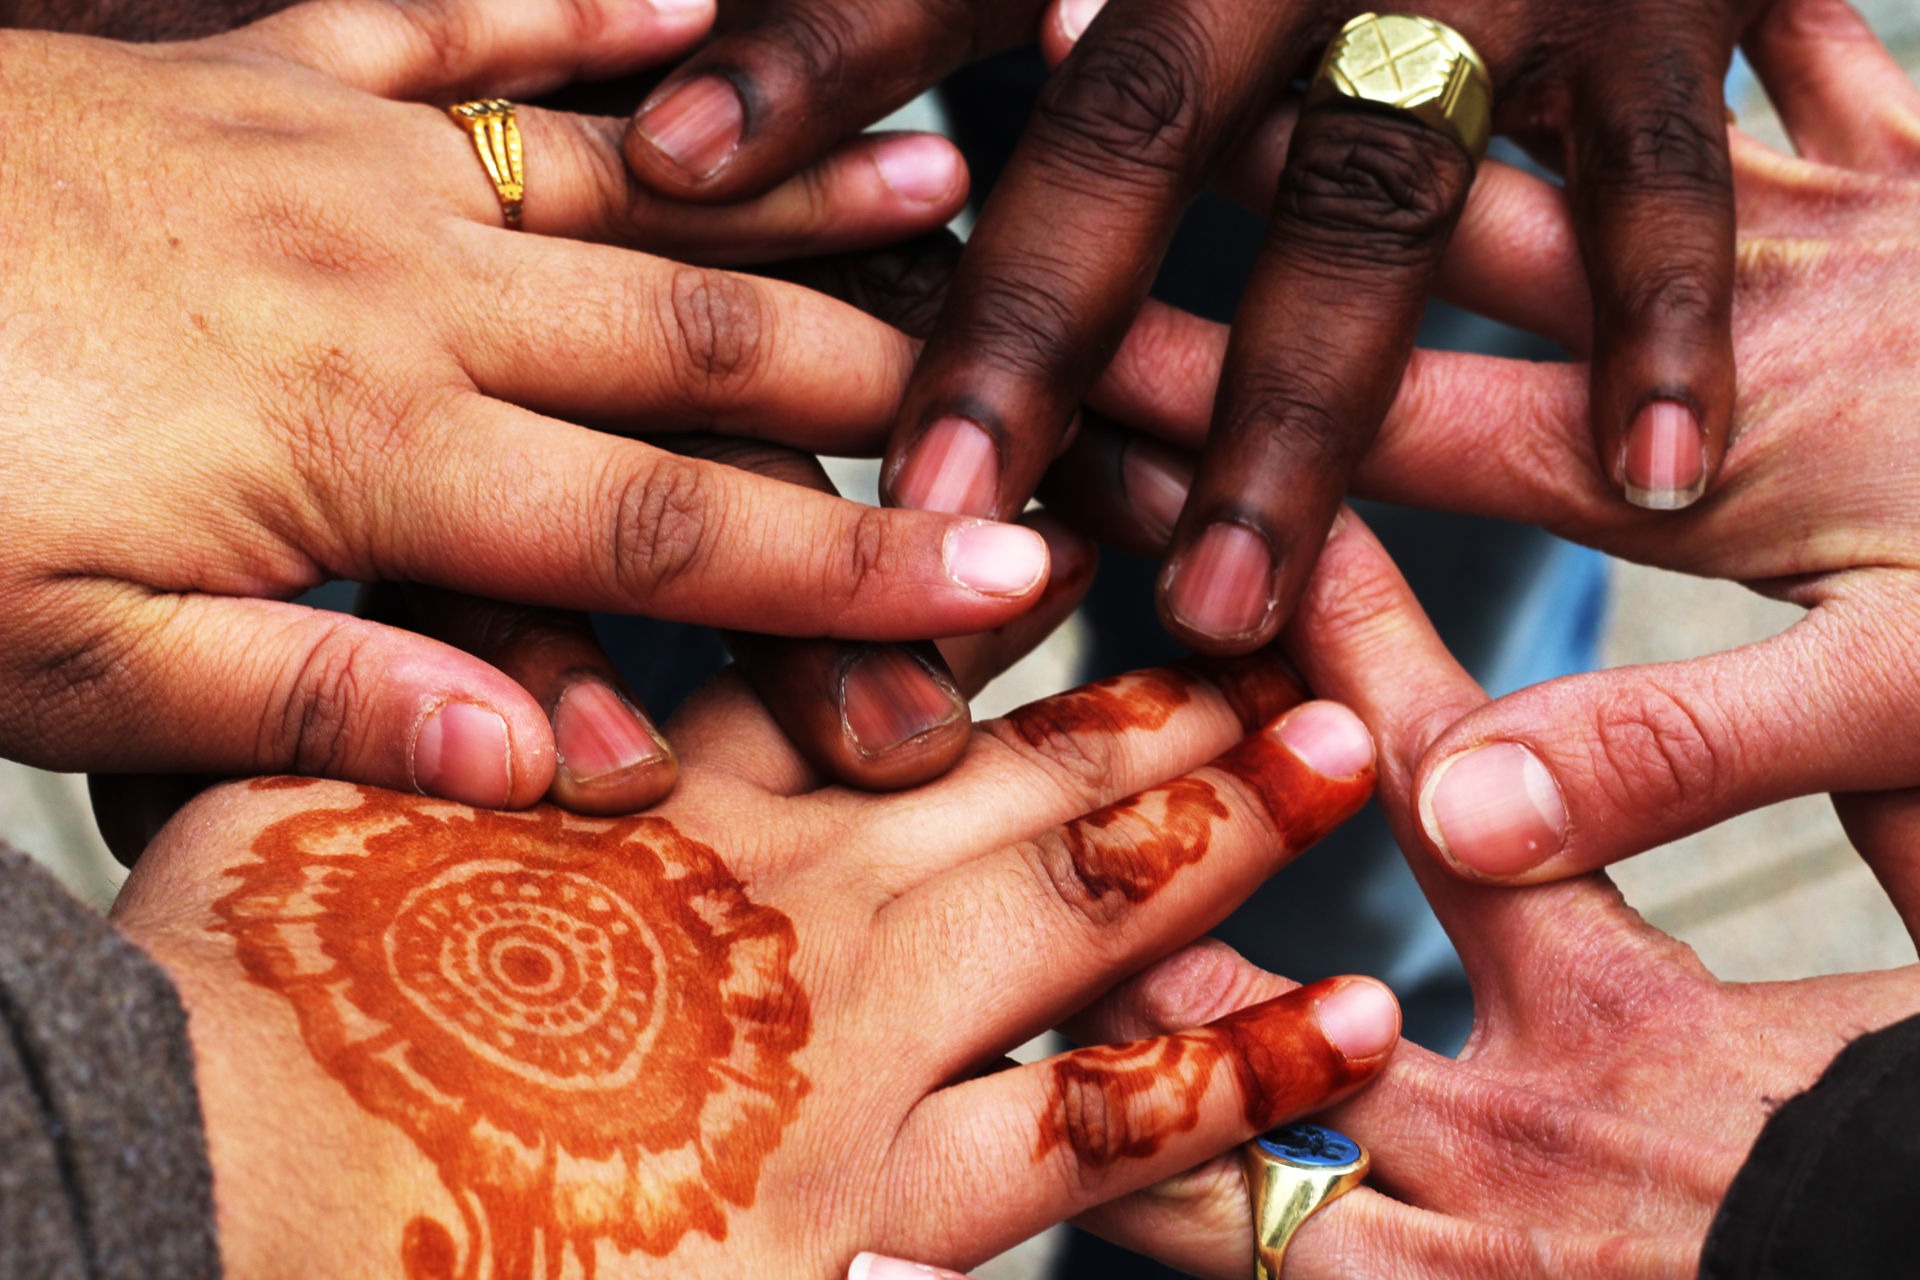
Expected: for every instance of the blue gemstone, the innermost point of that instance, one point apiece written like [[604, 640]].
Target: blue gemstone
[[1309, 1144]]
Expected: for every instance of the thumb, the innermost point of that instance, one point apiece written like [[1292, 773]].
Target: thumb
[[1581, 772], [205, 684]]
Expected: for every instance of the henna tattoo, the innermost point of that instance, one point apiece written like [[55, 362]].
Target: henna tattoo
[[1259, 686], [1123, 1102], [585, 1025], [1303, 805], [1138, 700], [1135, 847]]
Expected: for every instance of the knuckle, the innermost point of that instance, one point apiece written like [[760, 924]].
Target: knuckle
[[310, 730], [716, 323], [1652, 747], [1018, 314], [663, 518], [862, 574], [1371, 188], [1668, 136], [1058, 861], [1129, 106], [1286, 407], [1079, 764], [1675, 290]]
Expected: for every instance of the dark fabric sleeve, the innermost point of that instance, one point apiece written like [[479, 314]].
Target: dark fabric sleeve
[[103, 1163], [1832, 1187]]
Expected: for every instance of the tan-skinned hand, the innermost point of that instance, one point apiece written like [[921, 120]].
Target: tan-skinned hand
[[757, 1029], [265, 329]]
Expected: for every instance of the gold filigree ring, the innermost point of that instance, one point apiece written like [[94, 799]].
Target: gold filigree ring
[[1292, 1171], [1403, 62], [495, 131]]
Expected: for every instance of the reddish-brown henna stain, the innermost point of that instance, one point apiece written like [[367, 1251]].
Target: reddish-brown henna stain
[[281, 784], [586, 1026], [1139, 700], [1258, 686], [1126, 849], [1123, 1102], [1303, 805]]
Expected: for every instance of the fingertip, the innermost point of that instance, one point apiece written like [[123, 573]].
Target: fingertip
[[462, 751], [1493, 812], [1004, 560], [687, 133], [1360, 1018], [1218, 595], [1329, 739], [922, 169], [608, 757]]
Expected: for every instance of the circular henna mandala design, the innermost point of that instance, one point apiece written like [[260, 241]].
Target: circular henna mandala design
[[585, 1025]]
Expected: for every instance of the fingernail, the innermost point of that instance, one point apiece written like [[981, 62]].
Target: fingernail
[[887, 699], [1665, 466], [1224, 588], [996, 559], [921, 167], [1156, 483], [680, 10], [598, 735], [1359, 1018], [871, 1266], [1495, 810], [1329, 738], [953, 469], [697, 126], [1077, 15], [461, 752]]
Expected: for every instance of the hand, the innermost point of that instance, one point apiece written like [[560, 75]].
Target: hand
[[1611, 1086], [303, 358], [1147, 109], [1577, 773], [751, 1032]]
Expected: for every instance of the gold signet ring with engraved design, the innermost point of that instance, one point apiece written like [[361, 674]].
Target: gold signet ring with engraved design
[[1413, 65], [495, 131], [1292, 1171]]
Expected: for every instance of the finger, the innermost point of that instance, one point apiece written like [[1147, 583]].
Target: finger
[[1120, 487], [1652, 190], [878, 717], [1580, 772], [509, 504], [1063, 756], [1059, 1136], [1367, 204], [609, 758], [875, 189], [1844, 99], [590, 331], [444, 50], [780, 87], [977, 660], [1130, 881], [1885, 827], [873, 1266], [214, 685], [1126, 132]]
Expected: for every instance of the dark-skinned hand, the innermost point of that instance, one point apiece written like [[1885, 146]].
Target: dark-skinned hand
[[1150, 103]]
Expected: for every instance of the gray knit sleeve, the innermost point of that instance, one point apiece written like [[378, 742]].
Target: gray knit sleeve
[[103, 1162]]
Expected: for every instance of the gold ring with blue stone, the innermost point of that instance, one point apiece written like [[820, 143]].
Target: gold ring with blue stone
[[1292, 1171]]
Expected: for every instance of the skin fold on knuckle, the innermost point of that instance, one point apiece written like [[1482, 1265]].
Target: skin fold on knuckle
[[1655, 750], [1130, 107], [718, 327], [856, 568], [664, 518], [1363, 188], [318, 693]]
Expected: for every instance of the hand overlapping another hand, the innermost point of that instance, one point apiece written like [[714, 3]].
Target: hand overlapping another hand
[[758, 1029], [1611, 1087], [1812, 505], [265, 330], [1149, 107]]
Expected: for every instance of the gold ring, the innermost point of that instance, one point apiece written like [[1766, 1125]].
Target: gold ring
[[496, 136], [1415, 65], [1291, 1172]]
